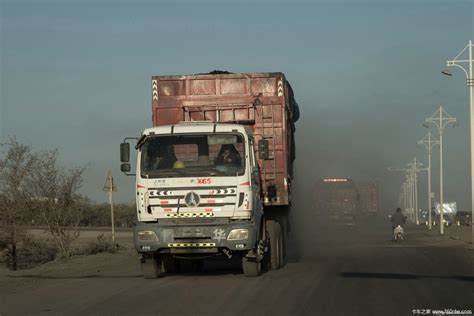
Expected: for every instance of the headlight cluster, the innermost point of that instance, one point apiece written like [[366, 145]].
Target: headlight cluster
[[238, 234], [147, 235]]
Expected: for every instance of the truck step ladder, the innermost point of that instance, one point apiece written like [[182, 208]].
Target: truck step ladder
[[270, 137]]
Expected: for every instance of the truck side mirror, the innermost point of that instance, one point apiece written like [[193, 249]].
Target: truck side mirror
[[125, 153], [125, 167], [263, 149]]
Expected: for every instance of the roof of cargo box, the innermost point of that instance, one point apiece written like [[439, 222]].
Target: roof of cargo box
[[222, 73], [293, 105]]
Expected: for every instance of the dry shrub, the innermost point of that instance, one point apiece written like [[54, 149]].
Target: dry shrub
[[30, 253], [102, 244]]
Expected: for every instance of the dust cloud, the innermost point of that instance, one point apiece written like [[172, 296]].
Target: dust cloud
[[322, 151]]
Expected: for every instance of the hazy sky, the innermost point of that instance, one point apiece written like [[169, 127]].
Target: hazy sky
[[76, 76]]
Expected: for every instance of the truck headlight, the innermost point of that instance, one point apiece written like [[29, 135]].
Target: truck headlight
[[238, 234], [147, 235]]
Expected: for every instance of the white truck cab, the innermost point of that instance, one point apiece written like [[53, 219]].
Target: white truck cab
[[181, 172], [197, 194]]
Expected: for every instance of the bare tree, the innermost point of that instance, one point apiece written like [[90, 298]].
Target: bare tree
[[61, 206], [33, 185], [16, 164]]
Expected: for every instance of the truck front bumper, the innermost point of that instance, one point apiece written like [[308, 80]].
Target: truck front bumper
[[151, 237]]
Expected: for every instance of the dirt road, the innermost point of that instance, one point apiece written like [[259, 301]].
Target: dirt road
[[351, 271]]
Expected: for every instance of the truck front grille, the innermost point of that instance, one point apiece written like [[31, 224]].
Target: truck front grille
[[193, 221]]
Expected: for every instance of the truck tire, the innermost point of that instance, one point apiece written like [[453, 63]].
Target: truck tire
[[282, 246], [150, 266], [276, 244], [285, 227], [251, 268], [170, 264]]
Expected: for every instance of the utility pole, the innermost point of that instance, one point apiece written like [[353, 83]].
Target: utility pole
[[429, 141], [410, 195], [405, 187], [440, 119], [408, 190], [467, 66], [109, 188], [414, 171], [404, 196]]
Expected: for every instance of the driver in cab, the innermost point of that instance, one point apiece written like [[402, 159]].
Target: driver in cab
[[228, 155]]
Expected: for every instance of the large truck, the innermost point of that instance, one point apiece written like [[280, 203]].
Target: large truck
[[337, 199], [214, 174], [368, 198]]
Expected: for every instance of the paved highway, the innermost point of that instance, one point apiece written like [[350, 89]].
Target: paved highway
[[338, 270]]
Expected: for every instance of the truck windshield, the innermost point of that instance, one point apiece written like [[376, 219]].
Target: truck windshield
[[193, 155]]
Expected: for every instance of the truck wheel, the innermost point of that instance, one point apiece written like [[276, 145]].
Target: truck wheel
[[276, 244], [251, 268], [170, 264], [285, 227], [150, 266], [282, 247]]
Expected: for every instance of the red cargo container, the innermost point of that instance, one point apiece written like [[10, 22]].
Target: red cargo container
[[368, 198], [262, 101], [337, 198]]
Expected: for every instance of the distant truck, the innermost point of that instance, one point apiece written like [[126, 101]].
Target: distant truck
[[214, 174], [368, 198], [337, 199]]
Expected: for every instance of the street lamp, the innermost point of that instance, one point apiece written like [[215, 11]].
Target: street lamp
[[410, 195], [411, 181], [405, 201], [409, 190], [429, 143], [456, 62], [401, 196], [440, 119], [414, 171]]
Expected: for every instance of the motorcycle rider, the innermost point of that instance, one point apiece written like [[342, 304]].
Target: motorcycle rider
[[397, 218]]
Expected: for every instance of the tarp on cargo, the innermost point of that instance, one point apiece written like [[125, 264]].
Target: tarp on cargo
[[294, 107]]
